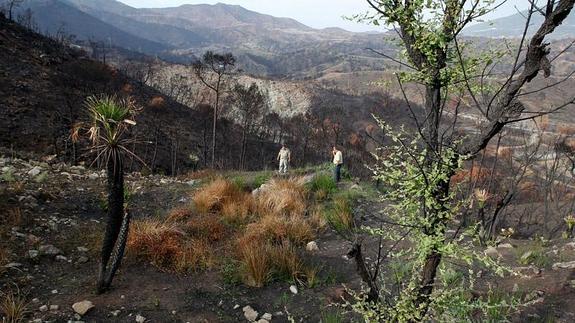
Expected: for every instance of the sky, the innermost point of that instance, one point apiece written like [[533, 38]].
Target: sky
[[314, 13]]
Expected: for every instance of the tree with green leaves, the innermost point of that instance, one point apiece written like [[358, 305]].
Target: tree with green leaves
[[110, 119], [213, 71], [418, 168]]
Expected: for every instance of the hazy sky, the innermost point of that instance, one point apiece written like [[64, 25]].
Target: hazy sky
[[314, 13]]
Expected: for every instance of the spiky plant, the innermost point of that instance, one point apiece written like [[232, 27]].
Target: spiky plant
[[110, 119]]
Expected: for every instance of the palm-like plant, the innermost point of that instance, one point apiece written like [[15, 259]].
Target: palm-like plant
[[110, 118]]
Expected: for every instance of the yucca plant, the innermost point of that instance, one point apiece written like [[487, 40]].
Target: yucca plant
[[110, 118]]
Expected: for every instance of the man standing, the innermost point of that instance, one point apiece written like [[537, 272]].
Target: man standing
[[337, 162], [284, 156]]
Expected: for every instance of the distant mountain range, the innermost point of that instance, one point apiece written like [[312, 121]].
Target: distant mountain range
[[514, 25], [264, 45]]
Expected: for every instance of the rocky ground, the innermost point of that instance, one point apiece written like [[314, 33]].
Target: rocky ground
[[52, 224]]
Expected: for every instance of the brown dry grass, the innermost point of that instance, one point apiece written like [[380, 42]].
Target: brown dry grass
[[13, 306], [207, 227], [219, 192], [256, 264], [283, 197], [277, 229], [180, 214], [167, 247]]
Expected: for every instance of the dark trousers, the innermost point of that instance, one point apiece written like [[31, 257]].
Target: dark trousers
[[337, 173]]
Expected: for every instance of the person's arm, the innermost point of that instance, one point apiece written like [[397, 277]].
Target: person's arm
[[279, 154], [289, 156]]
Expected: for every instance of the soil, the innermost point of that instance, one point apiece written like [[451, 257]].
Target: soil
[[66, 212]]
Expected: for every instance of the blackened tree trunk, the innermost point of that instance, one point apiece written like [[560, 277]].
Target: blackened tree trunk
[[115, 217]]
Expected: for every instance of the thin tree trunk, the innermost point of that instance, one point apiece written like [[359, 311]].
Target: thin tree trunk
[[115, 214]]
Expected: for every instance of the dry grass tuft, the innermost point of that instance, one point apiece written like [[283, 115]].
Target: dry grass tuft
[[197, 254], [156, 241], [167, 247], [13, 306], [283, 197], [277, 229], [179, 214], [256, 264], [239, 210], [14, 217], [286, 262], [219, 192], [207, 227]]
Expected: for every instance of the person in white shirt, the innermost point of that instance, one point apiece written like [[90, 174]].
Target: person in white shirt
[[284, 157], [337, 162]]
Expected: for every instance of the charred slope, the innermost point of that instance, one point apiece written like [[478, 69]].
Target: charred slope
[[42, 89]]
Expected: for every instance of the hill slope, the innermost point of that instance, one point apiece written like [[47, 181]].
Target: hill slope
[[514, 25], [42, 89]]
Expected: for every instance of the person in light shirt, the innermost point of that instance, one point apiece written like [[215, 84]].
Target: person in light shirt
[[284, 157], [337, 162]]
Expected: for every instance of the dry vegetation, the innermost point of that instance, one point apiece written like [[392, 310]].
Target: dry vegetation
[[13, 306], [264, 232]]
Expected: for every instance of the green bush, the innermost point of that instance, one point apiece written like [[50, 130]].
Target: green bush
[[322, 183]]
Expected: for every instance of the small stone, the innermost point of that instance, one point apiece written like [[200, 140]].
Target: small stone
[[35, 300], [564, 265], [505, 246], [293, 289], [82, 249], [492, 252], [312, 246], [267, 317], [236, 306], [35, 171], [250, 314], [115, 313], [140, 319], [262, 321], [82, 307], [61, 258], [54, 291], [13, 265], [54, 308], [44, 308], [572, 283], [32, 254], [93, 176], [49, 250], [83, 260], [570, 245], [174, 312]]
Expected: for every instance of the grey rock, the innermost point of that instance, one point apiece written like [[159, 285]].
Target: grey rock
[[115, 313], [564, 265], [492, 252], [312, 246], [54, 308], [32, 254], [35, 171], [140, 319], [49, 250], [43, 308], [83, 260], [81, 308], [61, 258], [13, 265], [267, 317], [293, 289], [250, 314], [505, 246], [82, 249]]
